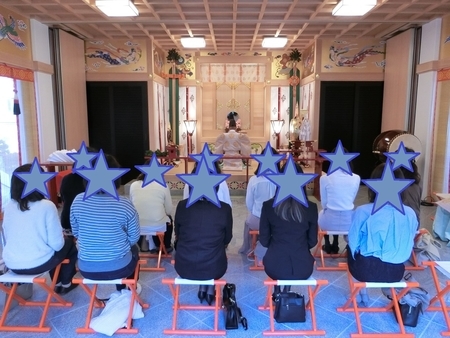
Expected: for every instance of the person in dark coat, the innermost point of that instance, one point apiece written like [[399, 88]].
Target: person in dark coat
[[412, 195], [71, 185], [288, 231], [202, 232]]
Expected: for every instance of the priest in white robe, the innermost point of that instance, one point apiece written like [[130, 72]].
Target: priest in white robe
[[233, 143]]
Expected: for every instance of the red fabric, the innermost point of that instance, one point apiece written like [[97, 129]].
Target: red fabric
[[59, 178]]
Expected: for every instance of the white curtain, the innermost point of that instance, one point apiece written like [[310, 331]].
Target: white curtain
[[279, 101], [163, 122], [233, 72], [187, 105]]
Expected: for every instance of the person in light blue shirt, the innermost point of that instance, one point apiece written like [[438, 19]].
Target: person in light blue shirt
[[380, 243]]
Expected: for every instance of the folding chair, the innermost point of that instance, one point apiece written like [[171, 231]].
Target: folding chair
[[318, 252], [254, 236], [174, 285], [94, 301], [268, 305], [444, 267], [416, 265], [10, 278], [161, 253], [355, 287]]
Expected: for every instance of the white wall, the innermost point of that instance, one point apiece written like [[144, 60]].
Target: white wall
[[425, 101], [44, 90], [397, 81]]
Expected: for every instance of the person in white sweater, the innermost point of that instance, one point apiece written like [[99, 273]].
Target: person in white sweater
[[154, 206], [34, 241], [337, 193], [259, 190]]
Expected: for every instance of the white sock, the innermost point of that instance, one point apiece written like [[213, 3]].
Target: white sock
[[66, 285]]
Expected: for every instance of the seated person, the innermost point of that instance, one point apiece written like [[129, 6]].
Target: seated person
[[107, 231], [259, 190], [233, 143], [288, 231], [154, 206], [34, 241], [337, 193], [380, 243], [71, 185], [202, 233], [223, 194], [412, 195]]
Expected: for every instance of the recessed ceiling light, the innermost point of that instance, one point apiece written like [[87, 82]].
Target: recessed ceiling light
[[274, 42], [193, 42], [353, 7], [117, 7]]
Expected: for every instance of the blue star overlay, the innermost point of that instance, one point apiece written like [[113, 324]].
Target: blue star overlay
[[339, 159], [402, 158], [290, 183], [82, 158], [35, 180], [153, 171], [208, 156], [203, 184], [268, 161], [101, 178], [388, 189]]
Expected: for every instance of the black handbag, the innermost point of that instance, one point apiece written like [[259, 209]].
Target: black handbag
[[410, 314], [289, 307], [233, 314]]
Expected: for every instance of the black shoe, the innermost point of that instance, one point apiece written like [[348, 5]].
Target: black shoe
[[210, 298], [154, 251], [202, 293], [334, 249], [210, 294], [66, 290], [326, 248], [169, 249], [58, 289]]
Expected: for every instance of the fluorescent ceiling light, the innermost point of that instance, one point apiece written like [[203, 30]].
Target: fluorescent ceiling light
[[353, 7], [274, 42], [117, 7], [193, 42]]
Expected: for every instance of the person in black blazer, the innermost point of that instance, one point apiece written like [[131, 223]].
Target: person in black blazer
[[202, 232], [288, 231]]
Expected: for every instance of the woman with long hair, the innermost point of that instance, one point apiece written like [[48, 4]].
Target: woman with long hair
[[412, 195], [34, 241], [288, 231]]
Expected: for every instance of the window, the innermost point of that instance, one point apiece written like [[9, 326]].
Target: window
[[9, 139]]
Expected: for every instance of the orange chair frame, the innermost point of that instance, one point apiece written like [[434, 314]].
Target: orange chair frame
[[94, 301], [440, 296], [40, 280], [355, 287], [268, 305], [254, 236], [174, 285], [162, 253], [416, 265], [318, 252]]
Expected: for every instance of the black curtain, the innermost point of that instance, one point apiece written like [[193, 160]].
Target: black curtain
[[351, 112], [118, 121]]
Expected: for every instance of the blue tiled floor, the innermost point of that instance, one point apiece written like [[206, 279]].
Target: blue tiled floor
[[250, 295]]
